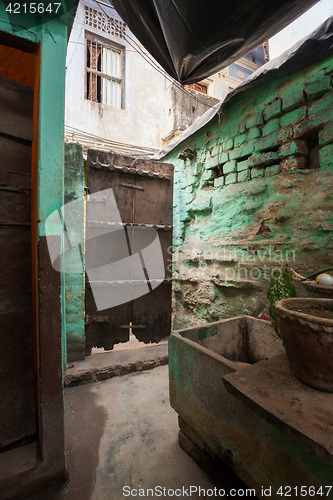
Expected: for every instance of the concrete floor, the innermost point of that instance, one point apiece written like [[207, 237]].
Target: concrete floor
[[122, 432]]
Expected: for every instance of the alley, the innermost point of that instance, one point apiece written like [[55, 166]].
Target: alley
[[122, 432]]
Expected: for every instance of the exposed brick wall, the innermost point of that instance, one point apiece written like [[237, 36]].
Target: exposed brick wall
[[260, 190], [279, 135]]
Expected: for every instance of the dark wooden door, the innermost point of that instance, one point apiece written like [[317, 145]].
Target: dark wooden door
[[17, 415], [138, 230]]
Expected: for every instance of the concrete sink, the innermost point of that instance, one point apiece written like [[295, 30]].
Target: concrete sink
[[267, 433]]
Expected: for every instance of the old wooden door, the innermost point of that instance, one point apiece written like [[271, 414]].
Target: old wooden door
[[142, 191], [17, 415]]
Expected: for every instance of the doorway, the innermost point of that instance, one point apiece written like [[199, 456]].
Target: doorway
[[142, 191], [18, 417]]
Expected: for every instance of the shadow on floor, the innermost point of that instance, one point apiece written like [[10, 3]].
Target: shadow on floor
[[122, 435]]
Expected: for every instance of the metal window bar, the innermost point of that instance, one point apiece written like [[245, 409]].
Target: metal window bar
[[104, 68]]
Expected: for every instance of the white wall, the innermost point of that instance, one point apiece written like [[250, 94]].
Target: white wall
[[140, 122], [301, 27]]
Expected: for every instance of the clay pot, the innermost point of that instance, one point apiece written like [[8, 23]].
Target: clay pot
[[306, 329]]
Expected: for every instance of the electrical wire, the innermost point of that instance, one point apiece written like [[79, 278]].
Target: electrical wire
[[72, 130], [151, 61]]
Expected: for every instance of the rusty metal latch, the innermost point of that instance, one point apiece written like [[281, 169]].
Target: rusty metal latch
[[96, 319], [138, 327], [131, 186]]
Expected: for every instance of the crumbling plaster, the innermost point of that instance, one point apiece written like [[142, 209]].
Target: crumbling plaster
[[258, 193]]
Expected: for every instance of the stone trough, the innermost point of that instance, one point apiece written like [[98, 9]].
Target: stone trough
[[238, 401]]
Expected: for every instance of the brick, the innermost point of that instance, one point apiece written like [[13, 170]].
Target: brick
[[326, 135], [244, 150], [219, 182], [243, 176], [307, 126], [273, 170], [293, 116], [271, 126], [239, 140], [290, 164], [243, 165], [198, 169], [201, 205], [253, 133], [256, 160], [229, 167], [326, 156], [222, 157], [211, 162], [293, 100], [254, 120], [229, 144], [242, 127], [230, 179], [208, 175], [257, 172], [218, 158], [323, 105], [273, 109], [285, 134], [217, 149], [318, 88], [267, 142], [266, 159], [294, 148]]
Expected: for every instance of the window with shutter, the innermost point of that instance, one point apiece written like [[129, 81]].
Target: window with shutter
[[104, 73]]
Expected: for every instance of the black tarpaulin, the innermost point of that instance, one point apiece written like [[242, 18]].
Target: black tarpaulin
[[193, 39]]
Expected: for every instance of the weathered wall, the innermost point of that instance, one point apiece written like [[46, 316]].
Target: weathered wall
[[74, 282], [138, 123], [258, 194], [25, 469], [181, 111]]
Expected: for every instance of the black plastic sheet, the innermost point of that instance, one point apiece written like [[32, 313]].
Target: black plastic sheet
[[193, 39]]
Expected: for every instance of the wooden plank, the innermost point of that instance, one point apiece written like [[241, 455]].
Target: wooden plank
[[16, 109], [17, 416], [15, 162], [17, 394]]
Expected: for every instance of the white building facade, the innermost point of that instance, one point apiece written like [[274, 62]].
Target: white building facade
[[119, 98], [112, 93]]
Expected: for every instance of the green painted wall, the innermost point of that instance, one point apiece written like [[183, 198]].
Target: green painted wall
[[259, 193], [52, 39], [74, 281]]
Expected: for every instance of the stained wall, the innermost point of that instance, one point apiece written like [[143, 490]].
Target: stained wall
[[259, 193]]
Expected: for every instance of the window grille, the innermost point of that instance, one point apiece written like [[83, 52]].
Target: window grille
[[104, 73]]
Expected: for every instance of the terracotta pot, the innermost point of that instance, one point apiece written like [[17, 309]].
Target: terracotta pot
[[306, 329]]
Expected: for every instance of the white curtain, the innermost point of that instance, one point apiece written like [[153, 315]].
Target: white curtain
[[111, 65]]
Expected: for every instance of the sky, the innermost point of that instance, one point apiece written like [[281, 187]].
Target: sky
[[301, 27]]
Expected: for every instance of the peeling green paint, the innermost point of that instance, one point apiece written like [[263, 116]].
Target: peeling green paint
[[74, 282], [263, 210]]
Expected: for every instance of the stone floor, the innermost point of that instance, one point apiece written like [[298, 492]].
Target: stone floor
[[122, 432]]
